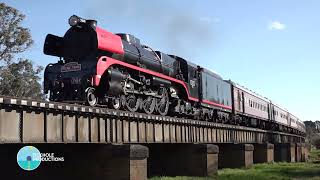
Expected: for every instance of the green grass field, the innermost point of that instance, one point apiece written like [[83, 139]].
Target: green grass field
[[307, 170]]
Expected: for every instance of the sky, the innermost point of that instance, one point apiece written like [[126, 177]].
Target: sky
[[269, 46]]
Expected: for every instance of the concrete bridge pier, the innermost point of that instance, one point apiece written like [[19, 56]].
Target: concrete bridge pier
[[284, 152], [298, 152], [100, 161], [183, 160], [304, 152], [128, 162], [263, 153], [81, 161], [235, 155]]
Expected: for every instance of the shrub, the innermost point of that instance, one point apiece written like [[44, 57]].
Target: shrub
[[316, 143]]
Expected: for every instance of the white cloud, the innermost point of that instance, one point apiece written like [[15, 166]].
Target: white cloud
[[209, 20], [216, 20], [276, 25]]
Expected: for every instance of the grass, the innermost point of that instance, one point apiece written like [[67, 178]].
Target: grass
[[181, 178], [278, 171], [314, 155], [274, 171]]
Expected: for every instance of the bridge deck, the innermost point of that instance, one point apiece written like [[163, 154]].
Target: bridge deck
[[25, 121]]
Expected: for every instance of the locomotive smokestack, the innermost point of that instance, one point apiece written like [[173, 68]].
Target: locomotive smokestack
[[76, 21]]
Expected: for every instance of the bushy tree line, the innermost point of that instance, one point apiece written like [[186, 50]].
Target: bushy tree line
[[18, 77], [312, 134]]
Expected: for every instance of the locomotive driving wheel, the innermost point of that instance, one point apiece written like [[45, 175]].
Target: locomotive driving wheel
[[162, 104], [210, 115], [149, 105], [91, 97], [115, 103], [132, 103]]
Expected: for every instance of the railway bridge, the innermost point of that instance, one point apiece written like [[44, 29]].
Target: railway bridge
[[113, 144]]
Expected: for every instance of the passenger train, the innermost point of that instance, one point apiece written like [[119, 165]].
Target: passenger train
[[98, 67]]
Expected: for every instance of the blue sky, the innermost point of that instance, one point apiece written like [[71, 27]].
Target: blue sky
[[271, 47]]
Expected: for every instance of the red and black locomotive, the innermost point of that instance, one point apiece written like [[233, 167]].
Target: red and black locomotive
[[101, 68]]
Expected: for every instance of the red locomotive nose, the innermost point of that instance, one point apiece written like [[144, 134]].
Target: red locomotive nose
[[83, 38], [109, 42]]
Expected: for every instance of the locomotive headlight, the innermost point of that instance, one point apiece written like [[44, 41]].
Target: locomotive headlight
[[74, 20]]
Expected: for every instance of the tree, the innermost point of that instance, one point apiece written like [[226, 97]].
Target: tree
[[21, 79], [13, 37], [316, 143], [17, 77], [312, 133]]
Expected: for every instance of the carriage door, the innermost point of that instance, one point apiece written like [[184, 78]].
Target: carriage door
[[240, 99], [271, 112], [290, 120], [243, 101]]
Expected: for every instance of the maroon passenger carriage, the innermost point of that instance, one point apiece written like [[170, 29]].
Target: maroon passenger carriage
[[250, 107], [101, 68]]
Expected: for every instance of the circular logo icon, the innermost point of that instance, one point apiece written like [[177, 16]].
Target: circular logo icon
[[29, 158]]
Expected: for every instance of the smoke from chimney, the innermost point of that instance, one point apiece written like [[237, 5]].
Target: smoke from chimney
[[182, 31]]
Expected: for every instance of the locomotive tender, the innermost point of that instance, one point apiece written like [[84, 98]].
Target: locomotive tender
[[98, 67]]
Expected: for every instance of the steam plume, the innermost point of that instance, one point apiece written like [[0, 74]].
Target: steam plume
[[183, 32]]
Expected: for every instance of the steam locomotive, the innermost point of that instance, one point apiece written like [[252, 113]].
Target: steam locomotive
[[98, 67]]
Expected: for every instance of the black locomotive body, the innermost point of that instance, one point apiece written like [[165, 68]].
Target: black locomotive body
[[100, 68]]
